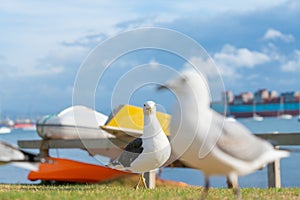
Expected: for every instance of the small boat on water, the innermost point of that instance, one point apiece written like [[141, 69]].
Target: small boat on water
[[4, 130], [255, 116], [230, 119], [281, 113], [285, 116], [258, 118], [7, 122], [24, 124], [299, 112]]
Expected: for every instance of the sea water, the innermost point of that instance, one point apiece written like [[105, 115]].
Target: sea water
[[290, 174]]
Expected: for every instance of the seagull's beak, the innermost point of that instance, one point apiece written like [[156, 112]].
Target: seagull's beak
[[162, 87], [149, 109]]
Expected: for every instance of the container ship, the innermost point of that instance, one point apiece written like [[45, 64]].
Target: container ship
[[262, 103]]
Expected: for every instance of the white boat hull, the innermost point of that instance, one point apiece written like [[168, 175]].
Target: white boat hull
[[5, 130], [285, 116], [257, 118], [76, 122]]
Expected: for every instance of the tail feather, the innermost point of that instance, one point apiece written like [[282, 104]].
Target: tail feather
[[115, 164], [18, 157], [270, 157]]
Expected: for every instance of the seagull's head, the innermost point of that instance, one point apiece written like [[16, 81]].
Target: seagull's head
[[189, 83], [149, 107], [186, 80]]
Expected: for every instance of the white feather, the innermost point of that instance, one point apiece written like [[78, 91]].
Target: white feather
[[203, 139]]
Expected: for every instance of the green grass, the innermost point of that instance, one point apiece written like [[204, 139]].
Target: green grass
[[124, 190]]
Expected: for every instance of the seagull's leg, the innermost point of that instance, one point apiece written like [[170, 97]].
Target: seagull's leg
[[233, 178], [229, 184], [143, 180], [205, 192], [160, 171], [138, 184]]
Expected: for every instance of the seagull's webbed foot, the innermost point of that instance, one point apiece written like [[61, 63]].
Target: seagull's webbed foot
[[138, 183], [237, 193], [141, 179]]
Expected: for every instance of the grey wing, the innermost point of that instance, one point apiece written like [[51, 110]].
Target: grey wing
[[237, 141], [135, 146], [131, 152]]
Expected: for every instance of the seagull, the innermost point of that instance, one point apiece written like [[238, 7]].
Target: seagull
[[18, 157], [148, 152], [203, 139]]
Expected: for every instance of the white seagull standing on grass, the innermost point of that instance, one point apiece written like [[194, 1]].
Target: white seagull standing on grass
[[13, 155], [204, 140], [148, 152]]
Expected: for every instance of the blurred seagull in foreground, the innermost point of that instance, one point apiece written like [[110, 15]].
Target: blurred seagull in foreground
[[10, 154], [148, 152], [202, 139]]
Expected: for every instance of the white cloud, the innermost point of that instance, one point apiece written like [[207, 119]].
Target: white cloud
[[55, 62], [47, 28], [40, 71], [218, 7], [17, 72], [46, 25], [292, 65], [272, 34], [44, 38], [253, 77], [243, 57], [53, 91], [62, 55], [273, 52]]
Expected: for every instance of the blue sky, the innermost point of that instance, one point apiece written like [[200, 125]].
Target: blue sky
[[43, 43]]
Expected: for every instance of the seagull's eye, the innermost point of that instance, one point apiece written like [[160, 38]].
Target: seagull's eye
[[183, 79], [144, 105]]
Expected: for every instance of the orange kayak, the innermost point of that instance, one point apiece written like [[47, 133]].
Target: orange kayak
[[65, 170]]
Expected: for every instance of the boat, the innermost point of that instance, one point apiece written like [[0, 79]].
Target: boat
[[4, 126], [262, 103], [7, 122], [4, 130], [229, 116], [255, 116], [258, 118], [124, 119], [25, 126], [230, 119], [66, 170], [285, 116], [299, 111], [71, 171], [281, 113], [74, 122]]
